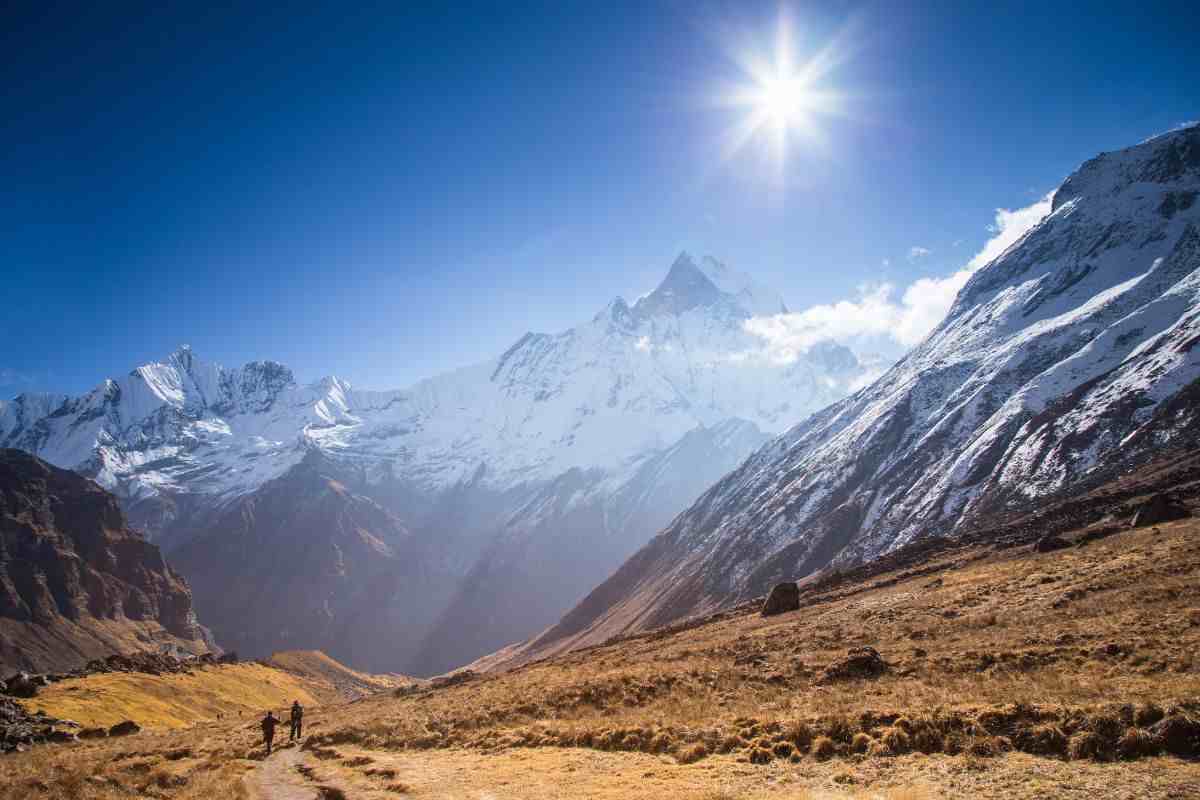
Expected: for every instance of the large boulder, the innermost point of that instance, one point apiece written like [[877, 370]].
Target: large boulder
[[1159, 508], [124, 728], [1178, 734], [784, 597], [24, 685]]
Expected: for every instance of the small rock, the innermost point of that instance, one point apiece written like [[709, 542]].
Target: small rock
[[860, 662], [1050, 543], [93, 733], [784, 597], [453, 679]]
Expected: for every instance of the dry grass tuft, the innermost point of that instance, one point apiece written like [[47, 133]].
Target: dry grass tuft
[[823, 747], [692, 753]]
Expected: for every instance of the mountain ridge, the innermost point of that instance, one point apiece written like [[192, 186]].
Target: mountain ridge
[[1071, 351]]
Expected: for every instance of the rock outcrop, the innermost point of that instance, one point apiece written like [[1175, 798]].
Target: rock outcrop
[[19, 728], [784, 597], [1158, 509], [75, 582]]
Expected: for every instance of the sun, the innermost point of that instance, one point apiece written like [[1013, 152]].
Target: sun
[[782, 99]]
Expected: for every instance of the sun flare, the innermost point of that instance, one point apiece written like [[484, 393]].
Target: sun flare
[[782, 99]]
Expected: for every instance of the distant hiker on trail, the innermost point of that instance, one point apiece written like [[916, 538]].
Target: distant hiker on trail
[[268, 727], [297, 719]]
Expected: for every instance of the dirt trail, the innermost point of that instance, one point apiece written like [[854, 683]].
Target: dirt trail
[[278, 778]]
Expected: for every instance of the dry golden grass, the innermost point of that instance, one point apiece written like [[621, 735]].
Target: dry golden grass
[[189, 765], [317, 667], [1012, 674], [1055, 655], [175, 701]]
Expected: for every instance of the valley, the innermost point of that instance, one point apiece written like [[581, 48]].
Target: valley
[[402, 401], [1002, 672], [417, 529]]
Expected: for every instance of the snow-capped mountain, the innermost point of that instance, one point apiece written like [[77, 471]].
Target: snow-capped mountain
[[502, 460], [1071, 354]]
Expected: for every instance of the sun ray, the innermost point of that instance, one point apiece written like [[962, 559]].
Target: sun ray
[[783, 96]]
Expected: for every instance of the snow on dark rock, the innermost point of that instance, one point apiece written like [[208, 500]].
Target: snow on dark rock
[[1069, 355]]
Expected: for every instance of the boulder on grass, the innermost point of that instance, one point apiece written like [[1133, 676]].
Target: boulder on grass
[[1178, 734], [23, 685], [784, 597], [124, 728]]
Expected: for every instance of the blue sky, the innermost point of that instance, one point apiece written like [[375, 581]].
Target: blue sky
[[385, 194]]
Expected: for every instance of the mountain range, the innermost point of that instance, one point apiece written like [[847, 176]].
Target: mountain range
[[461, 514], [1070, 357]]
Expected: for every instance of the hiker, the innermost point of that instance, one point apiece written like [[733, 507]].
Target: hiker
[[297, 719], [268, 727]]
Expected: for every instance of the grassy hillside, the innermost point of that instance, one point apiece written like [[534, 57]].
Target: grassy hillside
[[176, 701], [316, 666], [1006, 673], [237, 691]]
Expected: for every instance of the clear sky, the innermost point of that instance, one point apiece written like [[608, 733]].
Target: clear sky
[[385, 193]]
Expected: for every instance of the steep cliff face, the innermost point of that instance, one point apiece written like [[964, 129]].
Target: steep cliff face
[[75, 581], [1070, 354]]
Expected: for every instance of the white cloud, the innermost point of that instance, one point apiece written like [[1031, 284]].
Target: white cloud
[[887, 262], [916, 252], [877, 312]]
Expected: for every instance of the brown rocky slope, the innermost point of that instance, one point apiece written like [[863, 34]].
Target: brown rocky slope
[[306, 562], [76, 582]]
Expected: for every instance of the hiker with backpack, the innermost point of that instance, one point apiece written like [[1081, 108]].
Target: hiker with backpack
[[297, 720], [268, 728]]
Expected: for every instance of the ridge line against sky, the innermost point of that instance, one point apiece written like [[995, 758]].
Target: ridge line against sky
[[387, 194], [876, 323]]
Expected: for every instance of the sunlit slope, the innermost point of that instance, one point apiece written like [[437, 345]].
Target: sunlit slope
[[316, 666], [208, 692]]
